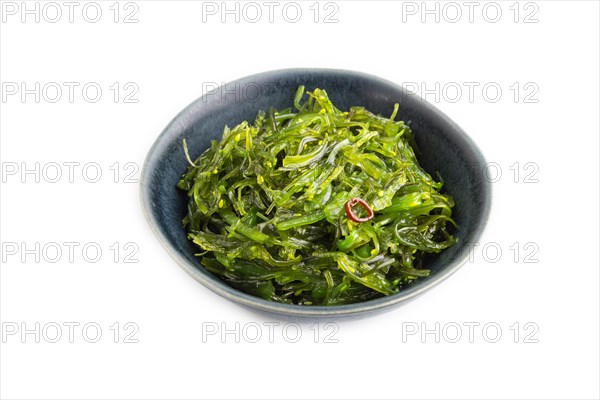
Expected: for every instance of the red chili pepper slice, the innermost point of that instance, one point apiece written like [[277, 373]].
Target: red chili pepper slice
[[353, 217]]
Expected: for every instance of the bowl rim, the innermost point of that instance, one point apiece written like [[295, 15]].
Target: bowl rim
[[223, 289]]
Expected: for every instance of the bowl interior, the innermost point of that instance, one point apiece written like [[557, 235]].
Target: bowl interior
[[443, 146]]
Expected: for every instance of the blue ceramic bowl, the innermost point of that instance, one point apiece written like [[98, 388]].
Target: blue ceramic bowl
[[444, 147]]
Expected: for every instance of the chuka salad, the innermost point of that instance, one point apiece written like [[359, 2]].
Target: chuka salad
[[316, 206]]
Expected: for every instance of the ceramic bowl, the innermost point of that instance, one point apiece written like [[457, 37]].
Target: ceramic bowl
[[443, 145]]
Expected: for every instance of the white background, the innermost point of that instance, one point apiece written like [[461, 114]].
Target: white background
[[172, 55]]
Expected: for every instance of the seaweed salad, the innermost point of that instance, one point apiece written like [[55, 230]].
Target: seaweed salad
[[312, 205]]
